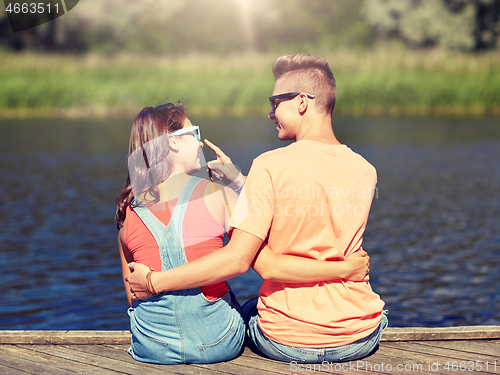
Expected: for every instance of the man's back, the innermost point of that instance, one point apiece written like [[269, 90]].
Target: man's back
[[312, 199]]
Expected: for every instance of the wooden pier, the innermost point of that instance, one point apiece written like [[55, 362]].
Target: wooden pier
[[454, 350]]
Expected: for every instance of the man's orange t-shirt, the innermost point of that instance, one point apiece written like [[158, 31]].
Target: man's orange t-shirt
[[312, 200]]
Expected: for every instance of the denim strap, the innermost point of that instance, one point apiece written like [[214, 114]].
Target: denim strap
[[169, 238]]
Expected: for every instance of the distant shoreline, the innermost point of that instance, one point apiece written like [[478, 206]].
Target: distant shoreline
[[382, 82], [86, 113]]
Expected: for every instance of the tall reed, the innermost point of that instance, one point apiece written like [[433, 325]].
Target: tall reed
[[378, 82]]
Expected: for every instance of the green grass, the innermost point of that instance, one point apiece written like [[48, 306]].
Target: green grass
[[379, 82]]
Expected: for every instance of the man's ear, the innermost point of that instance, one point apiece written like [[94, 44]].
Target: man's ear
[[303, 104]]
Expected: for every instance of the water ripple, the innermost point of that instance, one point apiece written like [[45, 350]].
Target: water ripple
[[433, 233]]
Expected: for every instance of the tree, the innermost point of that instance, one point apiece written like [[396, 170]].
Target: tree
[[454, 24], [180, 26], [315, 23]]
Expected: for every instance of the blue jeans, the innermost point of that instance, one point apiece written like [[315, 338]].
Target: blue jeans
[[201, 332], [354, 351]]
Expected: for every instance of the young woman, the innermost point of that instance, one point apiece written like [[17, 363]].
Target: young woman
[[167, 217]]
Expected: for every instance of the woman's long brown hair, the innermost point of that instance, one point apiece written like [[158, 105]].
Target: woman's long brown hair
[[150, 123]]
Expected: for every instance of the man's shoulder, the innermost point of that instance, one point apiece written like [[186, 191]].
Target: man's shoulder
[[361, 161], [273, 156], [301, 154], [276, 152]]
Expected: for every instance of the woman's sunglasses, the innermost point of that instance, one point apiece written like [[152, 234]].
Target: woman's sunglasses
[[289, 95], [191, 129]]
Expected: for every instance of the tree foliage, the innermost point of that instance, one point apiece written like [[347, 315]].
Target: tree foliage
[[180, 26], [224, 26], [454, 24]]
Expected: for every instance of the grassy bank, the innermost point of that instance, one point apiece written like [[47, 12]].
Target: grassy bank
[[378, 82]]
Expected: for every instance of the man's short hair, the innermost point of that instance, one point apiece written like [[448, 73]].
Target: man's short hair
[[310, 74]]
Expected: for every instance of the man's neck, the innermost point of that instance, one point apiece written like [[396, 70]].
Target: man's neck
[[317, 129]]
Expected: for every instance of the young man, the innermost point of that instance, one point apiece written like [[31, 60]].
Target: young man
[[313, 194]]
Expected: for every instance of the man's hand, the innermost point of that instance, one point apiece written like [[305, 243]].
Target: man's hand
[[224, 169], [137, 281], [357, 266]]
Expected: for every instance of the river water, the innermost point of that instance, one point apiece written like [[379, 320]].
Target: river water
[[433, 233]]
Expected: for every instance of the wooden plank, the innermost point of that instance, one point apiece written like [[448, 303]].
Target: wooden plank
[[118, 346], [252, 360], [384, 361], [440, 333], [403, 358], [30, 366], [255, 362], [40, 363], [118, 355], [403, 361], [436, 350], [123, 337], [4, 370], [412, 357], [231, 367], [104, 363], [65, 337], [272, 365], [394, 361], [442, 357], [482, 347]]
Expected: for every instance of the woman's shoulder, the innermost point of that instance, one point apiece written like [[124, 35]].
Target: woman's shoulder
[[218, 198], [215, 191]]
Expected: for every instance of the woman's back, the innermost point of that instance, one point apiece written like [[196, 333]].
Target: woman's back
[[201, 234], [187, 326]]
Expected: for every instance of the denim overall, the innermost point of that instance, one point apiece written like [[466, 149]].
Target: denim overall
[[183, 326]]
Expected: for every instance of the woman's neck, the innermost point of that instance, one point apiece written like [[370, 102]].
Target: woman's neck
[[171, 188]]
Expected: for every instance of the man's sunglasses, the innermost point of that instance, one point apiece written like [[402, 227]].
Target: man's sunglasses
[[195, 130], [289, 95]]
